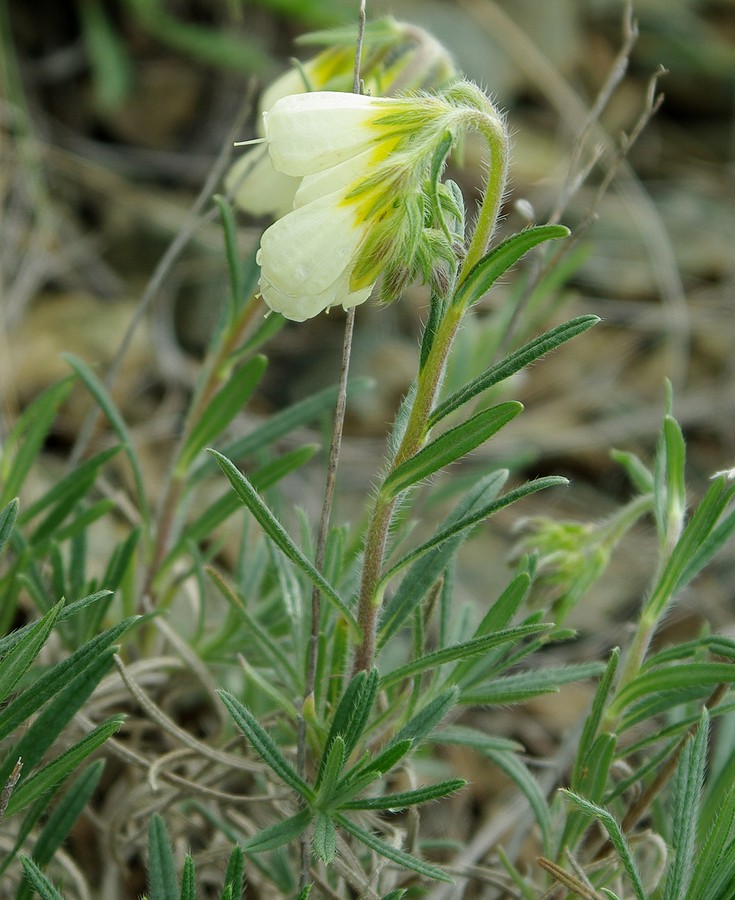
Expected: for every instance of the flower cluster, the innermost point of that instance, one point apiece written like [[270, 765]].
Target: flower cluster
[[366, 166], [397, 57]]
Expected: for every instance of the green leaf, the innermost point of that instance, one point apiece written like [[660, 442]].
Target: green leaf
[[221, 410], [472, 519], [450, 446], [20, 634], [463, 651], [617, 838], [486, 272], [278, 534], [59, 676], [68, 486], [392, 853], [17, 661], [280, 424], [161, 869], [475, 739], [519, 773], [106, 404], [188, 879], [63, 816], [41, 885], [640, 476], [335, 760], [279, 834], [325, 838], [519, 688], [592, 722], [7, 521], [427, 718], [714, 866], [263, 744], [58, 769], [351, 716], [235, 874], [513, 363], [232, 255], [673, 678], [408, 798], [423, 574], [27, 437], [688, 787], [106, 52], [591, 783], [495, 620]]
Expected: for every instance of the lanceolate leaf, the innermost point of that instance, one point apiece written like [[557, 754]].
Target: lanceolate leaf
[[513, 363], [41, 884], [392, 853], [59, 768], [263, 744], [417, 582], [676, 677], [279, 834], [515, 768], [278, 534], [222, 409], [494, 264], [465, 650], [472, 519], [408, 798], [518, 688], [450, 446], [325, 838], [7, 520], [161, 869], [351, 716], [617, 839], [18, 660]]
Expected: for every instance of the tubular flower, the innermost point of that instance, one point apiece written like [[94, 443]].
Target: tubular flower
[[396, 57], [364, 198]]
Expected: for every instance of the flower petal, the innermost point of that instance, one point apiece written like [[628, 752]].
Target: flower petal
[[309, 249], [299, 307], [311, 132], [258, 188]]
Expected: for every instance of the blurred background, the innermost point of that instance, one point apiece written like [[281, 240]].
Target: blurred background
[[113, 114]]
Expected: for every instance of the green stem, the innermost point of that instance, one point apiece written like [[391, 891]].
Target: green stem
[[428, 384]]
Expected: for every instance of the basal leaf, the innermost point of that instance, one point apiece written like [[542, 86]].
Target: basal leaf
[[279, 834]]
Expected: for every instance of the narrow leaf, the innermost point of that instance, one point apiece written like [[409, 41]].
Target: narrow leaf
[[325, 838], [43, 887], [188, 879], [408, 798], [161, 868], [525, 781], [221, 410], [465, 650], [7, 520], [279, 834], [106, 404], [617, 838], [278, 534], [19, 659], [494, 264], [423, 574], [687, 801], [672, 678], [351, 716], [263, 744], [450, 446], [513, 363], [469, 521], [59, 768], [235, 874], [63, 816], [427, 718], [392, 853], [518, 688], [333, 766]]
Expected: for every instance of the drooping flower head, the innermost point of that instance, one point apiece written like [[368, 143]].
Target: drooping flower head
[[368, 167], [397, 57]]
